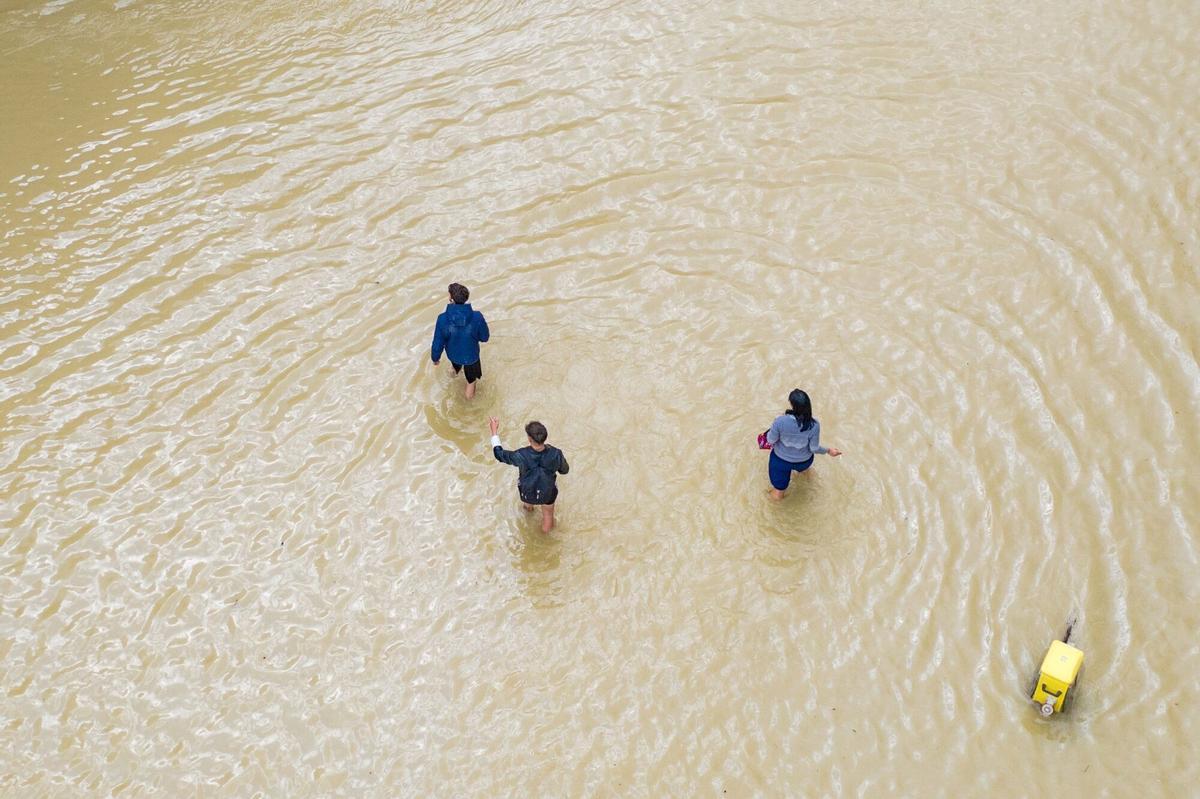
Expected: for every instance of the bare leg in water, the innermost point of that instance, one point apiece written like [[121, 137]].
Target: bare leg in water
[[547, 518], [470, 390]]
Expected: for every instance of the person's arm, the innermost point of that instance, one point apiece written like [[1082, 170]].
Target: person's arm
[[815, 443], [439, 342], [814, 440], [563, 467], [501, 454], [481, 330], [773, 433]]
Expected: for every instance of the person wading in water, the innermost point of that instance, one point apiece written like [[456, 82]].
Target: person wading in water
[[459, 331], [539, 465], [795, 439]]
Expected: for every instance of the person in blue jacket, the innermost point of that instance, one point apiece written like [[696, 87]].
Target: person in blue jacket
[[460, 329]]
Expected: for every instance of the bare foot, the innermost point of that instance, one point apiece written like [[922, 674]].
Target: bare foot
[[776, 494]]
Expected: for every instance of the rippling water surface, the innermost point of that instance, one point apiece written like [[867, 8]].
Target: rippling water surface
[[252, 543]]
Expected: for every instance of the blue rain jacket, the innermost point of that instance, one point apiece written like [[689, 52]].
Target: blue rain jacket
[[459, 331]]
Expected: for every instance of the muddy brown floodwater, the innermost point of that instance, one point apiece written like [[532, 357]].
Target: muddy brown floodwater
[[253, 544]]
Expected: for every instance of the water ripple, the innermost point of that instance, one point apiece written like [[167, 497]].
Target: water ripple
[[253, 543]]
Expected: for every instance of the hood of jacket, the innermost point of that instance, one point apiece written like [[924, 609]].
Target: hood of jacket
[[459, 316]]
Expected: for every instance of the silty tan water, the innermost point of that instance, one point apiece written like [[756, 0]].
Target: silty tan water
[[253, 544]]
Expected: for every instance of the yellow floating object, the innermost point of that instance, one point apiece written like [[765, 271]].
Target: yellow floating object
[[1059, 670]]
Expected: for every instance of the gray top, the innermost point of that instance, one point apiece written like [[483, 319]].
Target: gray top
[[791, 443]]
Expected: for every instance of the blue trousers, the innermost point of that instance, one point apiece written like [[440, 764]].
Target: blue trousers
[[781, 470]]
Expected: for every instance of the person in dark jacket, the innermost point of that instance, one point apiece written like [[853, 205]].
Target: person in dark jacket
[[539, 465], [460, 329]]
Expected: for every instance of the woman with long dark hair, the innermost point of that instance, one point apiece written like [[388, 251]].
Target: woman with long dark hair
[[795, 439]]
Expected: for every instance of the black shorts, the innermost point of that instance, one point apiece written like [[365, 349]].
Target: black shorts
[[474, 370], [532, 498]]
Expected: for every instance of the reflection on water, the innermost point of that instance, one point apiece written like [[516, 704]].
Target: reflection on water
[[538, 560], [252, 543]]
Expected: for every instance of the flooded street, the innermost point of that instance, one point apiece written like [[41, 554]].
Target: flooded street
[[252, 543]]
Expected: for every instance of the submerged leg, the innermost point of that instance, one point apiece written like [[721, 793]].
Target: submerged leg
[[779, 472], [547, 518]]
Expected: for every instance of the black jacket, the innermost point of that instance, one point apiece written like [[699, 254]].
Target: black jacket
[[536, 480]]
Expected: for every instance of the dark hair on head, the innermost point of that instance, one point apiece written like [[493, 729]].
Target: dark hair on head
[[537, 431], [459, 293], [801, 408]]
